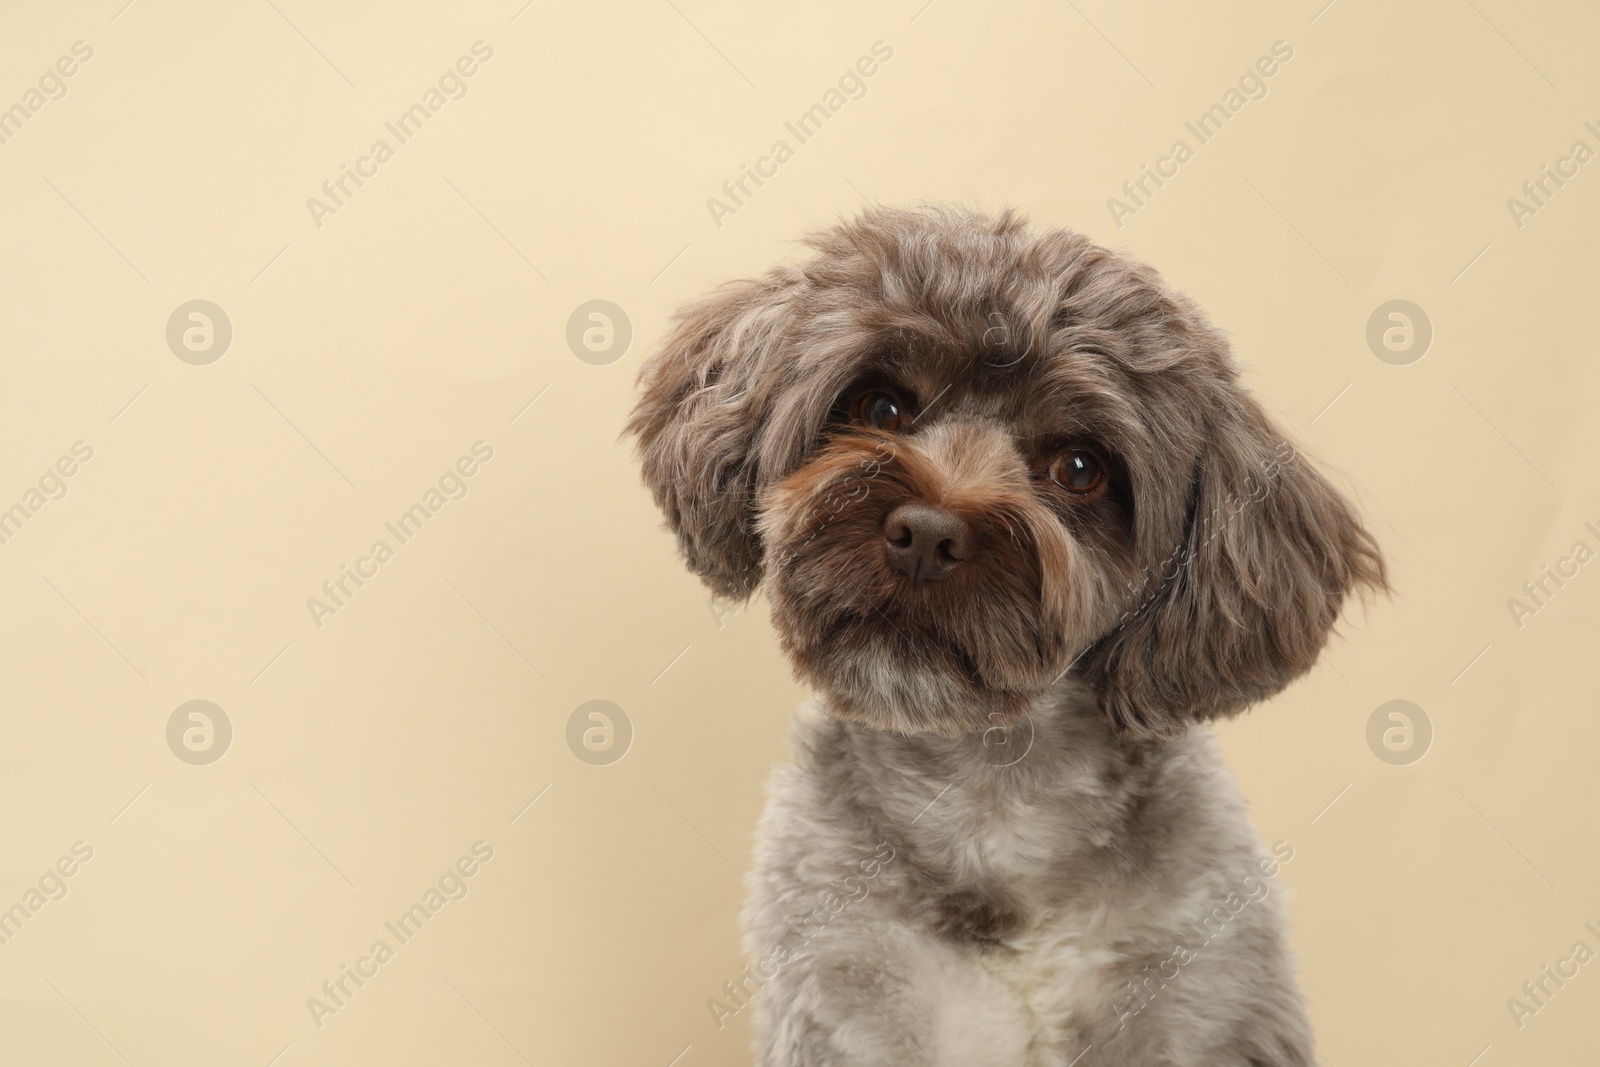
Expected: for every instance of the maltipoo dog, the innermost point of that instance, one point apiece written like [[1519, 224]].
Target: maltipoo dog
[[1023, 531]]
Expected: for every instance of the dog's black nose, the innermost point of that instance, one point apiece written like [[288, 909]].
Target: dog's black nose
[[926, 542]]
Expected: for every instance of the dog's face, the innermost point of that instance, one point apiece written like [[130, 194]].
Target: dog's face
[[968, 459]]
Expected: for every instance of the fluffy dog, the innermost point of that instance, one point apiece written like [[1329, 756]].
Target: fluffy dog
[[1021, 528]]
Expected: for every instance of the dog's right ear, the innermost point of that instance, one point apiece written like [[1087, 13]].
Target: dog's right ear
[[706, 396]]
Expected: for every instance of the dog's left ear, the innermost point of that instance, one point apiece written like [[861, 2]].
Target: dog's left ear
[[1243, 605], [706, 401]]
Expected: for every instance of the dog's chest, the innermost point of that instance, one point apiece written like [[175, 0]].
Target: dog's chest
[[1024, 1002], [1008, 970], [993, 839]]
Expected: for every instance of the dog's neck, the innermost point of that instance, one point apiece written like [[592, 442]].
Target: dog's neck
[[1010, 807]]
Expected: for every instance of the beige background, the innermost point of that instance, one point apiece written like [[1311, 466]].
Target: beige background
[[372, 351]]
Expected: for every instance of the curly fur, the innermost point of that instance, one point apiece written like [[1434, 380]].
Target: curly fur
[[1206, 578]]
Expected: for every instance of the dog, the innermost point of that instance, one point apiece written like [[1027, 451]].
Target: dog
[[1023, 531]]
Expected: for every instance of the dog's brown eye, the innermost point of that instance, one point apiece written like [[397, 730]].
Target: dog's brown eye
[[879, 409], [1078, 471]]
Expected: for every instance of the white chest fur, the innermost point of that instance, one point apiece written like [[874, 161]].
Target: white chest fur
[[1020, 1005]]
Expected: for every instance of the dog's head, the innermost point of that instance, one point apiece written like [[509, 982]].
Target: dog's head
[[967, 459]]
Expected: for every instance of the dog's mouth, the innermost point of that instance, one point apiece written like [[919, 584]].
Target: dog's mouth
[[845, 634], [900, 670]]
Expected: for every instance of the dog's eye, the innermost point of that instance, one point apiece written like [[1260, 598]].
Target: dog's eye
[[1078, 471], [880, 409]]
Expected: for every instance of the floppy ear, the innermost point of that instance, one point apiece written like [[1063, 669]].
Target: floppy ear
[[704, 402], [1246, 602]]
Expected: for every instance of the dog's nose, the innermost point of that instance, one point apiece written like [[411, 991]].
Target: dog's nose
[[926, 542]]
